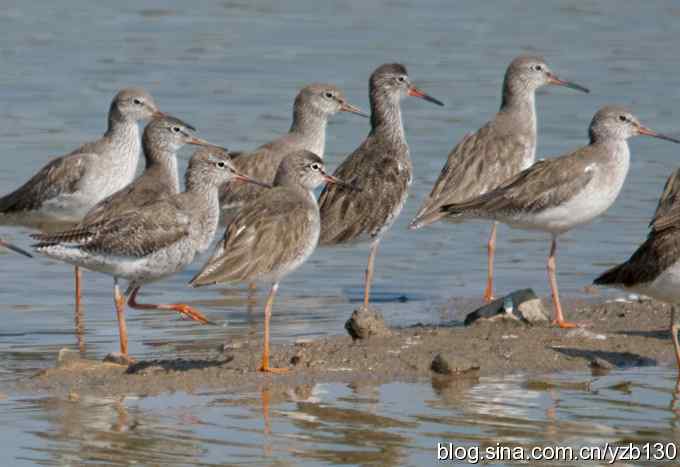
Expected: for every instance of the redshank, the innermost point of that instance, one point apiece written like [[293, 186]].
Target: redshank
[[380, 166], [163, 137], [63, 191], [272, 235], [556, 195], [313, 106], [154, 241], [500, 149], [654, 268]]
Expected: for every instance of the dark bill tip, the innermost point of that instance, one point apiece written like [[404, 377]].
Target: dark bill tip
[[568, 84], [415, 92], [647, 132], [346, 107], [15, 249]]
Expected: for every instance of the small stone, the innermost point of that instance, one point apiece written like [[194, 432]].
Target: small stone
[[584, 334], [73, 396], [601, 364], [533, 311], [303, 342], [296, 359], [67, 357], [520, 305], [366, 322], [228, 346], [119, 359], [451, 364]]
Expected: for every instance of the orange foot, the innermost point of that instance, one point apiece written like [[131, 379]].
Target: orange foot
[[191, 313], [569, 325], [269, 369]]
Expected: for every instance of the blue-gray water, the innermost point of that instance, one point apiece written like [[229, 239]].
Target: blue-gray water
[[232, 69]]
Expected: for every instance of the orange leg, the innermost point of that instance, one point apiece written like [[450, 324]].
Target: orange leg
[[181, 308], [491, 249], [267, 316], [675, 327], [78, 310], [119, 300], [559, 317], [369, 271]]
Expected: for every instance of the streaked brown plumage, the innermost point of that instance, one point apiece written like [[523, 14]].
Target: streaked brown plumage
[[161, 140], [653, 268], [556, 195], [273, 234], [60, 194], [154, 241], [314, 104], [503, 147], [381, 168]]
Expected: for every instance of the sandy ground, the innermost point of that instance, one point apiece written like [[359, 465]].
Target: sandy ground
[[619, 335]]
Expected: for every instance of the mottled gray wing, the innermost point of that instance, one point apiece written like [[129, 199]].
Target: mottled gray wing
[[146, 189], [267, 233], [547, 183], [478, 163], [60, 176], [134, 234], [382, 178], [260, 164]]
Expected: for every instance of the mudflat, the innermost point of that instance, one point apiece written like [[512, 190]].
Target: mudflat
[[619, 334]]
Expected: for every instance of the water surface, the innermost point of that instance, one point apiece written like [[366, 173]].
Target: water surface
[[232, 69]]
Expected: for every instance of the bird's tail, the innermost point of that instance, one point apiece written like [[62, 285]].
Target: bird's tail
[[426, 218], [612, 276]]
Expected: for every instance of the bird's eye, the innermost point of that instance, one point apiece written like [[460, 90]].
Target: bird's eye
[[138, 102], [175, 129], [315, 166], [623, 118], [328, 95], [401, 79], [538, 68], [221, 164]]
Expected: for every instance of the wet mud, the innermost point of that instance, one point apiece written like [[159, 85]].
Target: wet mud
[[619, 334]]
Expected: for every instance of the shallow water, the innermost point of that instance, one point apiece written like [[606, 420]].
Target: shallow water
[[339, 424], [232, 69]]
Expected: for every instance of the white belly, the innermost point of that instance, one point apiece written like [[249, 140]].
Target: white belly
[[597, 196], [581, 209], [160, 264]]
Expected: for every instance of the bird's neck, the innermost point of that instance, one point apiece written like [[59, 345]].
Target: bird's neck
[[520, 105], [205, 197], [163, 161], [204, 192], [309, 126], [120, 129], [386, 116], [614, 149], [122, 147]]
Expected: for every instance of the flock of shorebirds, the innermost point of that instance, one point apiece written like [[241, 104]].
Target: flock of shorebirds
[[92, 213]]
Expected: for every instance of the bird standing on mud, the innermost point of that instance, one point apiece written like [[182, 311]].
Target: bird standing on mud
[[499, 150], [381, 167]]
